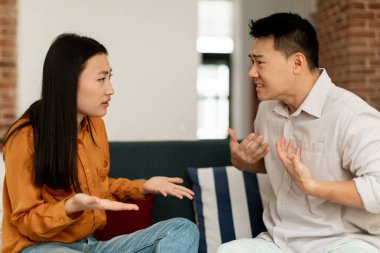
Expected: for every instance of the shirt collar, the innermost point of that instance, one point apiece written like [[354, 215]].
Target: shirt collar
[[314, 101]]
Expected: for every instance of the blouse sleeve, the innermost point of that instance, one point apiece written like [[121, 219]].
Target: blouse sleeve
[[29, 213]]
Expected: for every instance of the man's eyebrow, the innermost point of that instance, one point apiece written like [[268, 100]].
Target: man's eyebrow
[[255, 56]]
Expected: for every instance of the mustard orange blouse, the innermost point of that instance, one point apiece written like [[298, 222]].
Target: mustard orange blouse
[[36, 214]]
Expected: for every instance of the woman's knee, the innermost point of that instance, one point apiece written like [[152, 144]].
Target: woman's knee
[[187, 228]]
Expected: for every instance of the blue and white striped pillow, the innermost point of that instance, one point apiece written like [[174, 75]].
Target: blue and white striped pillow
[[227, 205]]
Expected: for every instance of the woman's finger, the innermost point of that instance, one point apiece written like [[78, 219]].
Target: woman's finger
[[175, 193], [105, 204], [176, 180], [163, 193], [185, 194], [171, 192], [183, 189]]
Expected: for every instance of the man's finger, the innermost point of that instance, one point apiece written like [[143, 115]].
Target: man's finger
[[280, 145], [290, 147], [233, 137], [263, 150], [296, 158], [298, 153], [257, 142], [247, 141]]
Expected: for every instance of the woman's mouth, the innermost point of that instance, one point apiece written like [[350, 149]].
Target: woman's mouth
[[106, 103]]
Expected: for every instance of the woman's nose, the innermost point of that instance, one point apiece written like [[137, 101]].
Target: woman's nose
[[110, 90]]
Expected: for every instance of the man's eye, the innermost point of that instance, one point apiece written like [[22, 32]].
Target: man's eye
[[102, 79]]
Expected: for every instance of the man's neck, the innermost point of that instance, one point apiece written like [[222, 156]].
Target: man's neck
[[302, 90]]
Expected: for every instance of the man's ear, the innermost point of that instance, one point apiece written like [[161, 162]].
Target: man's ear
[[299, 62]]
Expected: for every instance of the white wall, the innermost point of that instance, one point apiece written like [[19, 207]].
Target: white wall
[[245, 10], [152, 50]]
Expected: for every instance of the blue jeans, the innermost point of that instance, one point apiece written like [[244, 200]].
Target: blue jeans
[[174, 235]]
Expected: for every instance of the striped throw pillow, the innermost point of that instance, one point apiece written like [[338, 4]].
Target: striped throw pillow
[[227, 205]]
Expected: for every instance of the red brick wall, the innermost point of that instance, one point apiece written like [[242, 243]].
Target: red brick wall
[[8, 63], [349, 37]]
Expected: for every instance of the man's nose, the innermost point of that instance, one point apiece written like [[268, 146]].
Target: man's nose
[[253, 73]]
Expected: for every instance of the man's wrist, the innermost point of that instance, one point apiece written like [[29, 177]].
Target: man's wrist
[[314, 188]]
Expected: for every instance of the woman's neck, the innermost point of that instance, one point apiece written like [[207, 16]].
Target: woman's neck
[[80, 118]]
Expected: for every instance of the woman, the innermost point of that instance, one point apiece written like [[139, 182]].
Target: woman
[[57, 162]]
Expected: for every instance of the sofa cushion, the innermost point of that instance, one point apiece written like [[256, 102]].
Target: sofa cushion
[[227, 205], [126, 222]]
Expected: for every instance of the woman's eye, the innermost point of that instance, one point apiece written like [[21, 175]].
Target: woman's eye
[[101, 79]]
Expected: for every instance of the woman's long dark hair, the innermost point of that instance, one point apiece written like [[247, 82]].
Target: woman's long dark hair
[[54, 117]]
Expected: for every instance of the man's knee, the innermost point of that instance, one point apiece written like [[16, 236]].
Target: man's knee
[[229, 247], [224, 248]]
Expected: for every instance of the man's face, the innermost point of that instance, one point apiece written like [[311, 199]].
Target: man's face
[[271, 71]]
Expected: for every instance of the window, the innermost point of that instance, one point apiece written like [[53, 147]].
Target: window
[[215, 44]]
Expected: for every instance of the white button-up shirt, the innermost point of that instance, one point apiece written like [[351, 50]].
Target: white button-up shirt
[[339, 137]]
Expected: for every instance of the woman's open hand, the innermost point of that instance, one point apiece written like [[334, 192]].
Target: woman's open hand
[[167, 186], [83, 201]]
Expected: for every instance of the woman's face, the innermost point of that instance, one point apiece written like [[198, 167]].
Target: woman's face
[[94, 88]]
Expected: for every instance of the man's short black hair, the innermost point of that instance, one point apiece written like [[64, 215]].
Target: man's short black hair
[[291, 34]]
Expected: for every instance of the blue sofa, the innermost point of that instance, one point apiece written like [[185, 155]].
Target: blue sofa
[[137, 160]]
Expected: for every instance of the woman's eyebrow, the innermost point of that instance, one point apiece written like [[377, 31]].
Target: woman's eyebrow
[[105, 72]]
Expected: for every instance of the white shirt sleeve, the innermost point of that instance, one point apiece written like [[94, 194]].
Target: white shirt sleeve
[[361, 155]]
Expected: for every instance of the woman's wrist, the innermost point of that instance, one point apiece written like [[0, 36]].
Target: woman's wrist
[[70, 207]]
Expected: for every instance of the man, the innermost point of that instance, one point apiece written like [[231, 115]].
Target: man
[[319, 145]]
